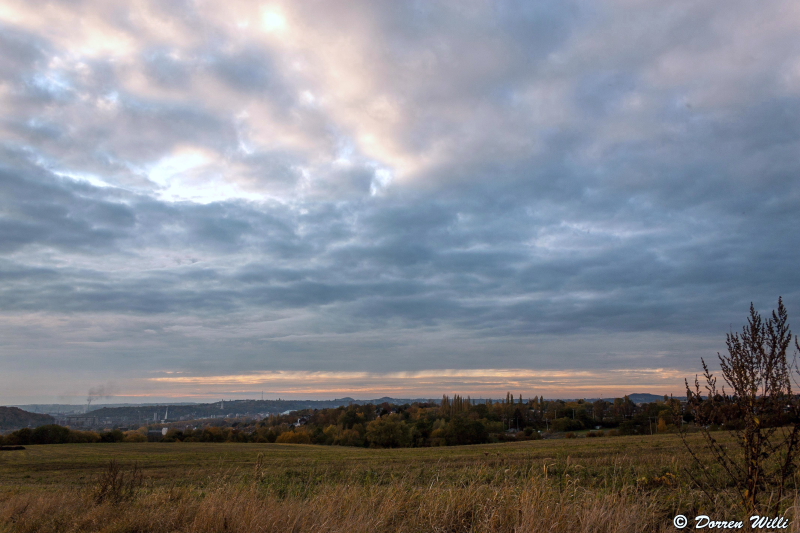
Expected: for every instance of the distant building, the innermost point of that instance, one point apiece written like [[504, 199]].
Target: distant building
[[77, 421]]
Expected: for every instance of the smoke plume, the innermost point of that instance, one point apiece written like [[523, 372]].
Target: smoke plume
[[100, 393]]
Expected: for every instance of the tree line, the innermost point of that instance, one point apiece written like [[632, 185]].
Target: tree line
[[454, 421], [55, 434]]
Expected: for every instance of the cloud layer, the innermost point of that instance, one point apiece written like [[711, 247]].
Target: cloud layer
[[228, 188]]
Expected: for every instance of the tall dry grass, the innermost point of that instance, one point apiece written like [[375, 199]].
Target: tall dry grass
[[398, 507], [476, 499], [616, 485]]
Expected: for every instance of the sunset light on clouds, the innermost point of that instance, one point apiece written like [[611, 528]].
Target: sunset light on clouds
[[205, 199], [481, 382]]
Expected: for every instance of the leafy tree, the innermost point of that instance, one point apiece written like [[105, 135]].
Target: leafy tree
[[50, 434], [598, 409], [388, 431], [566, 424], [421, 430], [21, 437], [353, 437], [294, 437], [461, 430]]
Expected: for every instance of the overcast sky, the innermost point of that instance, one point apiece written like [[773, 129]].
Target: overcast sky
[[204, 199]]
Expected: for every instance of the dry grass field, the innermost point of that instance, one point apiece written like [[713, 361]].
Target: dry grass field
[[622, 484]]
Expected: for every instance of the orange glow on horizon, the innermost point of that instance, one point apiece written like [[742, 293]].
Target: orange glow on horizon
[[432, 383]]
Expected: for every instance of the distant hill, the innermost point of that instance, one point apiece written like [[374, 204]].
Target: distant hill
[[151, 413], [636, 397], [640, 397], [643, 397], [132, 414], [14, 417], [67, 408]]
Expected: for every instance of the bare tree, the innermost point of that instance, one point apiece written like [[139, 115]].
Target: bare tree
[[756, 402]]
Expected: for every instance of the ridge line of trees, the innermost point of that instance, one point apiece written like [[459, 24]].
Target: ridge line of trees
[[457, 420]]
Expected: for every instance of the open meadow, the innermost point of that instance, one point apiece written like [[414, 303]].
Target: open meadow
[[621, 484]]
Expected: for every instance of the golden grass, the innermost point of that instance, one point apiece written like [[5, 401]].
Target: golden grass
[[627, 484], [535, 506]]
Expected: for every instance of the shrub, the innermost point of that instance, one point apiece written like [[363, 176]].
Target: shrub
[[83, 437], [50, 434], [21, 437], [760, 407], [134, 436], [116, 485], [294, 437], [566, 424], [114, 435]]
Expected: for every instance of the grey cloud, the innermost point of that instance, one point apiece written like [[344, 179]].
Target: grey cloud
[[247, 70], [20, 50], [166, 70], [644, 208], [53, 213], [181, 123], [601, 93]]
